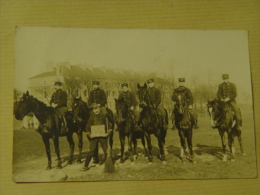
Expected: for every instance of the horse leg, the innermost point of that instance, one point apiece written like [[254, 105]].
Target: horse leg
[[135, 146], [57, 151], [240, 142], [80, 145], [231, 146], [130, 148], [223, 140], [122, 141], [150, 157], [183, 146], [189, 141], [161, 147], [143, 143], [72, 144], [46, 142], [111, 140]]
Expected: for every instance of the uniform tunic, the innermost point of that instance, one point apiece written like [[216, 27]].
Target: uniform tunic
[[97, 96], [227, 90], [129, 98], [93, 142], [154, 95], [184, 92], [59, 97]]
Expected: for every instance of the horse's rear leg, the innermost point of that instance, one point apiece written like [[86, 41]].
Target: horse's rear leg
[[46, 142], [111, 140], [80, 145], [130, 147], [57, 151], [239, 132], [189, 141], [135, 146], [223, 141], [72, 144]]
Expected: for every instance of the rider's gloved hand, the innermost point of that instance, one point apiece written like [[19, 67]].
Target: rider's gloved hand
[[226, 99]]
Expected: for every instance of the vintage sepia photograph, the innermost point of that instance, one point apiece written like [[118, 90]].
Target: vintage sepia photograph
[[132, 104]]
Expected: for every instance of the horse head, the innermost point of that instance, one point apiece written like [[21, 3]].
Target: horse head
[[216, 109], [80, 110], [181, 104], [121, 110], [24, 106], [142, 95]]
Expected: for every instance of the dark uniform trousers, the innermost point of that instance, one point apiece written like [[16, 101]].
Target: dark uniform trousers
[[234, 106], [93, 150]]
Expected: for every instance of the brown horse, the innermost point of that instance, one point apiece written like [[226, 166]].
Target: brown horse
[[223, 118], [50, 125], [184, 122], [152, 123]]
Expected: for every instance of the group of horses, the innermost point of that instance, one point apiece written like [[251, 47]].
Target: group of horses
[[151, 123]]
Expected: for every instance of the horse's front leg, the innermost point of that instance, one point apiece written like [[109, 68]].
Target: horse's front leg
[[189, 141], [231, 146], [130, 148], [80, 145], [111, 140], [161, 147], [135, 146], [46, 142], [122, 142], [72, 144], [148, 139], [183, 146], [143, 143], [239, 137], [223, 141], [57, 151]]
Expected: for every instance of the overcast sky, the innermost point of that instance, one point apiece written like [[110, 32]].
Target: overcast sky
[[184, 53]]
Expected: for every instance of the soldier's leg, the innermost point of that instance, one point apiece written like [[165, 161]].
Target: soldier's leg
[[93, 144], [95, 155], [237, 114], [104, 145], [163, 114]]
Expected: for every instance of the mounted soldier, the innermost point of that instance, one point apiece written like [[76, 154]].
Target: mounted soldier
[[183, 92], [227, 92], [59, 102], [155, 98], [98, 96], [129, 98]]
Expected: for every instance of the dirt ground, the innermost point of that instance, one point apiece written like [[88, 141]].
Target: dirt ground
[[30, 161]]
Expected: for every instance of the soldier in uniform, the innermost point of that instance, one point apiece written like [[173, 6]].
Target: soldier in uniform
[[130, 99], [155, 98], [183, 91], [59, 102], [98, 96], [97, 119], [227, 92]]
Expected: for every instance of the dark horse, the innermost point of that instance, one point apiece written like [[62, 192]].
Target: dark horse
[[184, 122], [126, 127], [50, 125], [81, 113], [223, 118], [152, 123]]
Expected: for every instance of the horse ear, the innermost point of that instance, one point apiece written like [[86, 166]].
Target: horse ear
[[145, 86], [27, 93]]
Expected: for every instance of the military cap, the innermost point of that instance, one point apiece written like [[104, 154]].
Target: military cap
[[124, 84], [58, 83], [95, 82], [150, 81], [225, 76], [181, 79], [95, 105]]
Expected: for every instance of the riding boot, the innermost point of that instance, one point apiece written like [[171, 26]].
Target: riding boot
[[64, 128]]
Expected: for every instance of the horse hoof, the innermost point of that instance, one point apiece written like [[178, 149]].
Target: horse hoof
[[164, 162], [48, 168], [150, 163], [70, 163], [59, 167], [79, 162]]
